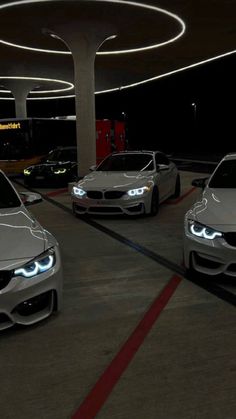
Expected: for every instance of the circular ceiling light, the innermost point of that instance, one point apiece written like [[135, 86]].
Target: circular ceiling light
[[169, 73], [122, 51], [127, 86], [67, 86]]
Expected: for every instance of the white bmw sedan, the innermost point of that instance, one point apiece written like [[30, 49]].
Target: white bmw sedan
[[30, 265], [210, 225], [131, 182]]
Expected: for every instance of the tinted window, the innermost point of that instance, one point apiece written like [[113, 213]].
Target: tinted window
[[62, 155], [225, 175], [162, 159], [8, 197], [17, 147], [127, 163]]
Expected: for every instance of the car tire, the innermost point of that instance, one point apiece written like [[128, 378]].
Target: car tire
[[155, 202], [177, 188]]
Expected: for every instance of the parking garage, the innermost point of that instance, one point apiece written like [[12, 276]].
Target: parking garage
[[137, 336]]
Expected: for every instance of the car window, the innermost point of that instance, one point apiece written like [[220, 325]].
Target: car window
[[62, 155], [161, 159], [8, 197], [127, 163], [224, 176]]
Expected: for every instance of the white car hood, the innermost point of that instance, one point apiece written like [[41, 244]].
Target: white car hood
[[115, 180], [216, 208], [21, 236]]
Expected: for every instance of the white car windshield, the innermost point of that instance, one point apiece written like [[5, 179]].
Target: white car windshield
[[8, 197], [225, 175], [127, 163]]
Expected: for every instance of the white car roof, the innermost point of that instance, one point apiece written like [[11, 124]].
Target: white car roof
[[230, 156]]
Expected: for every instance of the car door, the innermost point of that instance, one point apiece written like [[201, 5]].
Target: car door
[[165, 175]]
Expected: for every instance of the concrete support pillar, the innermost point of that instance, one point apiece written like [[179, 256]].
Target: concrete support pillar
[[20, 102], [20, 90], [84, 39]]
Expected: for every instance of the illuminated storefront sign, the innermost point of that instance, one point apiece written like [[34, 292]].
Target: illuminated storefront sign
[[10, 125]]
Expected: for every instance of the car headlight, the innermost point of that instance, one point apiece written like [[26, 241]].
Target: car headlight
[[59, 171], [78, 191], [138, 191], [27, 171], [200, 230], [37, 266]]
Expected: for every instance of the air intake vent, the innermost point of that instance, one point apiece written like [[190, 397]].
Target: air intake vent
[[5, 277], [230, 238]]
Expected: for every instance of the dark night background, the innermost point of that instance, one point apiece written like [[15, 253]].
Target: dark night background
[[160, 114]]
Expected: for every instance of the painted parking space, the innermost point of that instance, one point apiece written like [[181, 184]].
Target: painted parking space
[[57, 192], [108, 288], [95, 400], [168, 230]]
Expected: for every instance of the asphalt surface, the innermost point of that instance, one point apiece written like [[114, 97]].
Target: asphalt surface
[[136, 338]]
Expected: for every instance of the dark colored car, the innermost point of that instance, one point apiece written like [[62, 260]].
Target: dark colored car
[[58, 168]]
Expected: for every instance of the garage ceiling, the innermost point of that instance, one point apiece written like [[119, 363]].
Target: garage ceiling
[[190, 31]]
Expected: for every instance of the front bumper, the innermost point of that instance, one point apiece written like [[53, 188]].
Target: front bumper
[[28, 300], [210, 257], [47, 179], [109, 206]]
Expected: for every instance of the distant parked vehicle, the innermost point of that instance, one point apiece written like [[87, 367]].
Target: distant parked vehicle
[[58, 168], [130, 182], [24, 142]]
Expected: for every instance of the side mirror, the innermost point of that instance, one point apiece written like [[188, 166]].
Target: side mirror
[[93, 168], [30, 198], [161, 167], [200, 183]]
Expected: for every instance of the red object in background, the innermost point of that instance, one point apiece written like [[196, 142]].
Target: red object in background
[[35, 137], [103, 139], [119, 136], [110, 136]]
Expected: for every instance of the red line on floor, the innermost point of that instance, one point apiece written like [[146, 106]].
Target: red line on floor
[[57, 192], [176, 201], [105, 384]]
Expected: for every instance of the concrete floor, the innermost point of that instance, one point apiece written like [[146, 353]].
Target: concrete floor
[[185, 367]]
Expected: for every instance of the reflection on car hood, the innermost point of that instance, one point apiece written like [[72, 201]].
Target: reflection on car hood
[[216, 208], [20, 235], [121, 180], [52, 164]]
